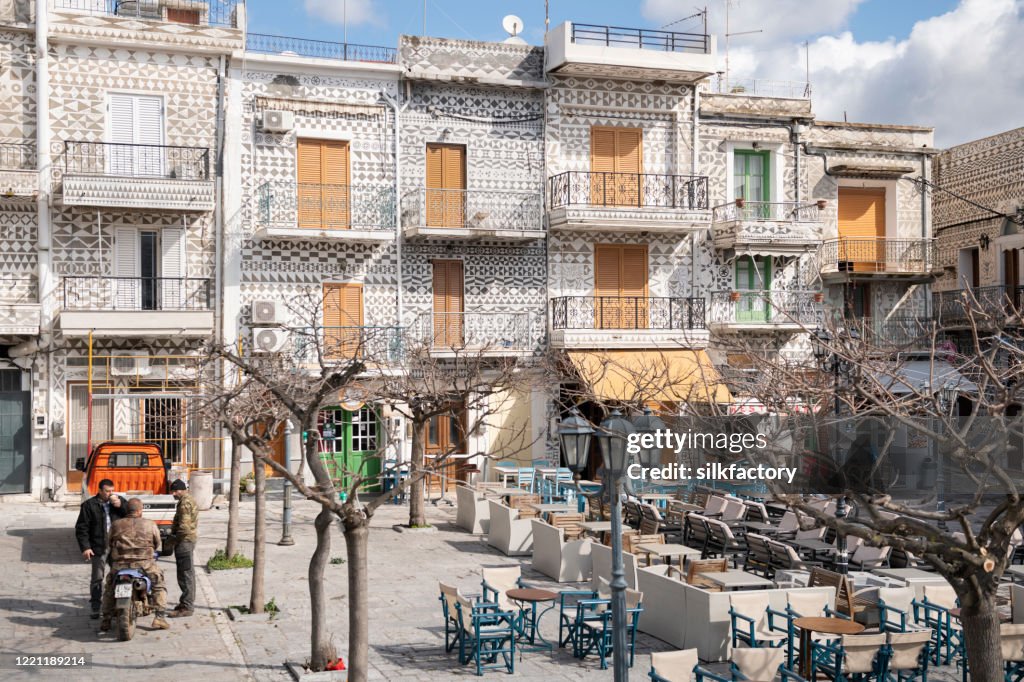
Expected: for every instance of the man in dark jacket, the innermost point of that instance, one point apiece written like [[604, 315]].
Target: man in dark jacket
[[94, 520], [184, 533]]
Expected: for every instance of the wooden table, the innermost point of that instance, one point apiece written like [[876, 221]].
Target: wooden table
[[735, 579], [656, 497], [598, 526], [553, 508], [815, 547], [505, 492], [528, 598], [828, 626], [504, 473], [1015, 571], [667, 551], [761, 528]]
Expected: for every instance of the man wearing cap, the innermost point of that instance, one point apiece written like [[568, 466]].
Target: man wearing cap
[[184, 532]]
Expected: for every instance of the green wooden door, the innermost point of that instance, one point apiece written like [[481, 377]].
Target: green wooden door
[[15, 439], [752, 181], [754, 282], [349, 446]]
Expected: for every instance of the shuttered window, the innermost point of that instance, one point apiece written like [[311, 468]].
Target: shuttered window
[[343, 319], [445, 193], [135, 126], [862, 228], [448, 303], [616, 160], [620, 286], [126, 292], [323, 184], [173, 291]]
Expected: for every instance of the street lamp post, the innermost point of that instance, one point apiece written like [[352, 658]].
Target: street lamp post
[[576, 434], [286, 516], [947, 403]]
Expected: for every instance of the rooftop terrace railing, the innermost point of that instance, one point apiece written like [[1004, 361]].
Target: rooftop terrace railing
[[319, 49], [193, 12], [641, 38]]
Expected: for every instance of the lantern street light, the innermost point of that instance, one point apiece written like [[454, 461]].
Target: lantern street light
[[947, 403], [648, 423], [612, 434]]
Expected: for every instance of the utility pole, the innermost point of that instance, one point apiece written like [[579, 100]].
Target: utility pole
[[286, 517]]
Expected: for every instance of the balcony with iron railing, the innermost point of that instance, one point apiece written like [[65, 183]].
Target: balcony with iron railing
[[284, 46], [895, 333], [775, 227], [221, 13], [989, 307], [768, 310], [616, 51], [476, 332], [137, 176], [473, 213], [312, 211], [136, 306], [877, 257], [628, 322], [375, 346], [19, 306], [630, 202], [18, 176]]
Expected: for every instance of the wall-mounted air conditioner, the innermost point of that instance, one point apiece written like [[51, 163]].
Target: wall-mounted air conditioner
[[265, 313], [273, 121], [268, 339]]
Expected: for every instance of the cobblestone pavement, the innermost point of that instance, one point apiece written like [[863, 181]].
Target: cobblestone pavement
[[45, 607]]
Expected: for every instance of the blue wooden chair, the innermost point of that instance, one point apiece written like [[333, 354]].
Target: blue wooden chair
[[803, 605], [896, 610], [852, 658], [526, 478], [488, 636], [672, 666], [934, 612], [908, 656], [1011, 644], [752, 664], [754, 621], [593, 626], [452, 630], [568, 601]]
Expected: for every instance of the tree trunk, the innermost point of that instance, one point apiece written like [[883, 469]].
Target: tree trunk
[[981, 638], [356, 540], [234, 497], [257, 598], [417, 514], [321, 648]]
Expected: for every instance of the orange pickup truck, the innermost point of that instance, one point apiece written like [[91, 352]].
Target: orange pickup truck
[[137, 470]]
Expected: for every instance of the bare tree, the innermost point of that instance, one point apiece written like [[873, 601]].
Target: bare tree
[[903, 375], [234, 497], [320, 367], [257, 597]]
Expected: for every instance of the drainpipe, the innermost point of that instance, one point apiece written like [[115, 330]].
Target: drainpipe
[[795, 130], [390, 101], [694, 170], [45, 233], [218, 222], [926, 218]]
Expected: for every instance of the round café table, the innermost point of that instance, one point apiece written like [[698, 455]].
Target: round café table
[[528, 598], [827, 626]]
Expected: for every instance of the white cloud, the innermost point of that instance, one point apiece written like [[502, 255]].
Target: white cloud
[[959, 72], [338, 11]]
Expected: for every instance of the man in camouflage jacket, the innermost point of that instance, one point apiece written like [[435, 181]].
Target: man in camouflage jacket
[[132, 543], [184, 533]]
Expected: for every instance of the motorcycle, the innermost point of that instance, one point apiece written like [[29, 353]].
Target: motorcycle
[[133, 594]]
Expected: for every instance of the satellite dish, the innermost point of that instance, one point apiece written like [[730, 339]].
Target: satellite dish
[[512, 24]]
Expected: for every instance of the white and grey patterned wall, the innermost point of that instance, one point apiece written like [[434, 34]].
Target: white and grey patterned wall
[[294, 270]]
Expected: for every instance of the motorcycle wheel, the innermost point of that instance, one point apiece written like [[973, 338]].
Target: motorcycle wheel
[[126, 623]]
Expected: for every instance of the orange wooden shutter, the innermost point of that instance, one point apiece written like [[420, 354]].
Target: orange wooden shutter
[[335, 192], [607, 286], [602, 162], [343, 318], [446, 184], [862, 227], [183, 16], [309, 165], [448, 302], [627, 166], [634, 287]]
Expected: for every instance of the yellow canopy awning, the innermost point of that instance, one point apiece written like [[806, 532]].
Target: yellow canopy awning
[[667, 376]]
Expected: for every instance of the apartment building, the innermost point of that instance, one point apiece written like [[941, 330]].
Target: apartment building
[[978, 204], [606, 195]]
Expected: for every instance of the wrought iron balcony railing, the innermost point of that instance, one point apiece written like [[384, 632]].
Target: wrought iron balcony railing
[[287, 204], [640, 38], [15, 156], [114, 159], [319, 49], [759, 87], [195, 12], [638, 190], [487, 331], [135, 293], [767, 307], [472, 209], [897, 333], [768, 211], [376, 345], [956, 307], [879, 255], [627, 312]]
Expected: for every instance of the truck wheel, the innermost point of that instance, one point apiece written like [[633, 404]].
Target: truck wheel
[[126, 623]]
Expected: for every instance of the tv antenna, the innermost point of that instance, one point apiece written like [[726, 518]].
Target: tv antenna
[[728, 35]]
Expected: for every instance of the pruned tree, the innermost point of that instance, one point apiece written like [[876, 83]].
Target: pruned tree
[[878, 394], [321, 367]]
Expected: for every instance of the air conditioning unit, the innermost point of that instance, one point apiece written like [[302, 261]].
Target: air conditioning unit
[[265, 313], [268, 339], [274, 121], [129, 364]]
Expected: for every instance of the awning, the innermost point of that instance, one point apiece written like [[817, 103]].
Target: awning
[[925, 376], [876, 172], [668, 376]]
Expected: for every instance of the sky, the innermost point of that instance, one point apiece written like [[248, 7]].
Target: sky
[[952, 64]]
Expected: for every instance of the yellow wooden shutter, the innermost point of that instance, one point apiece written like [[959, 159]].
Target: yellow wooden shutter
[[335, 190], [309, 166], [862, 228]]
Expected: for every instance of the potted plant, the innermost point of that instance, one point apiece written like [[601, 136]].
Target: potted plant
[[734, 296], [819, 297], [821, 204], [740, 203], [248, 483]]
